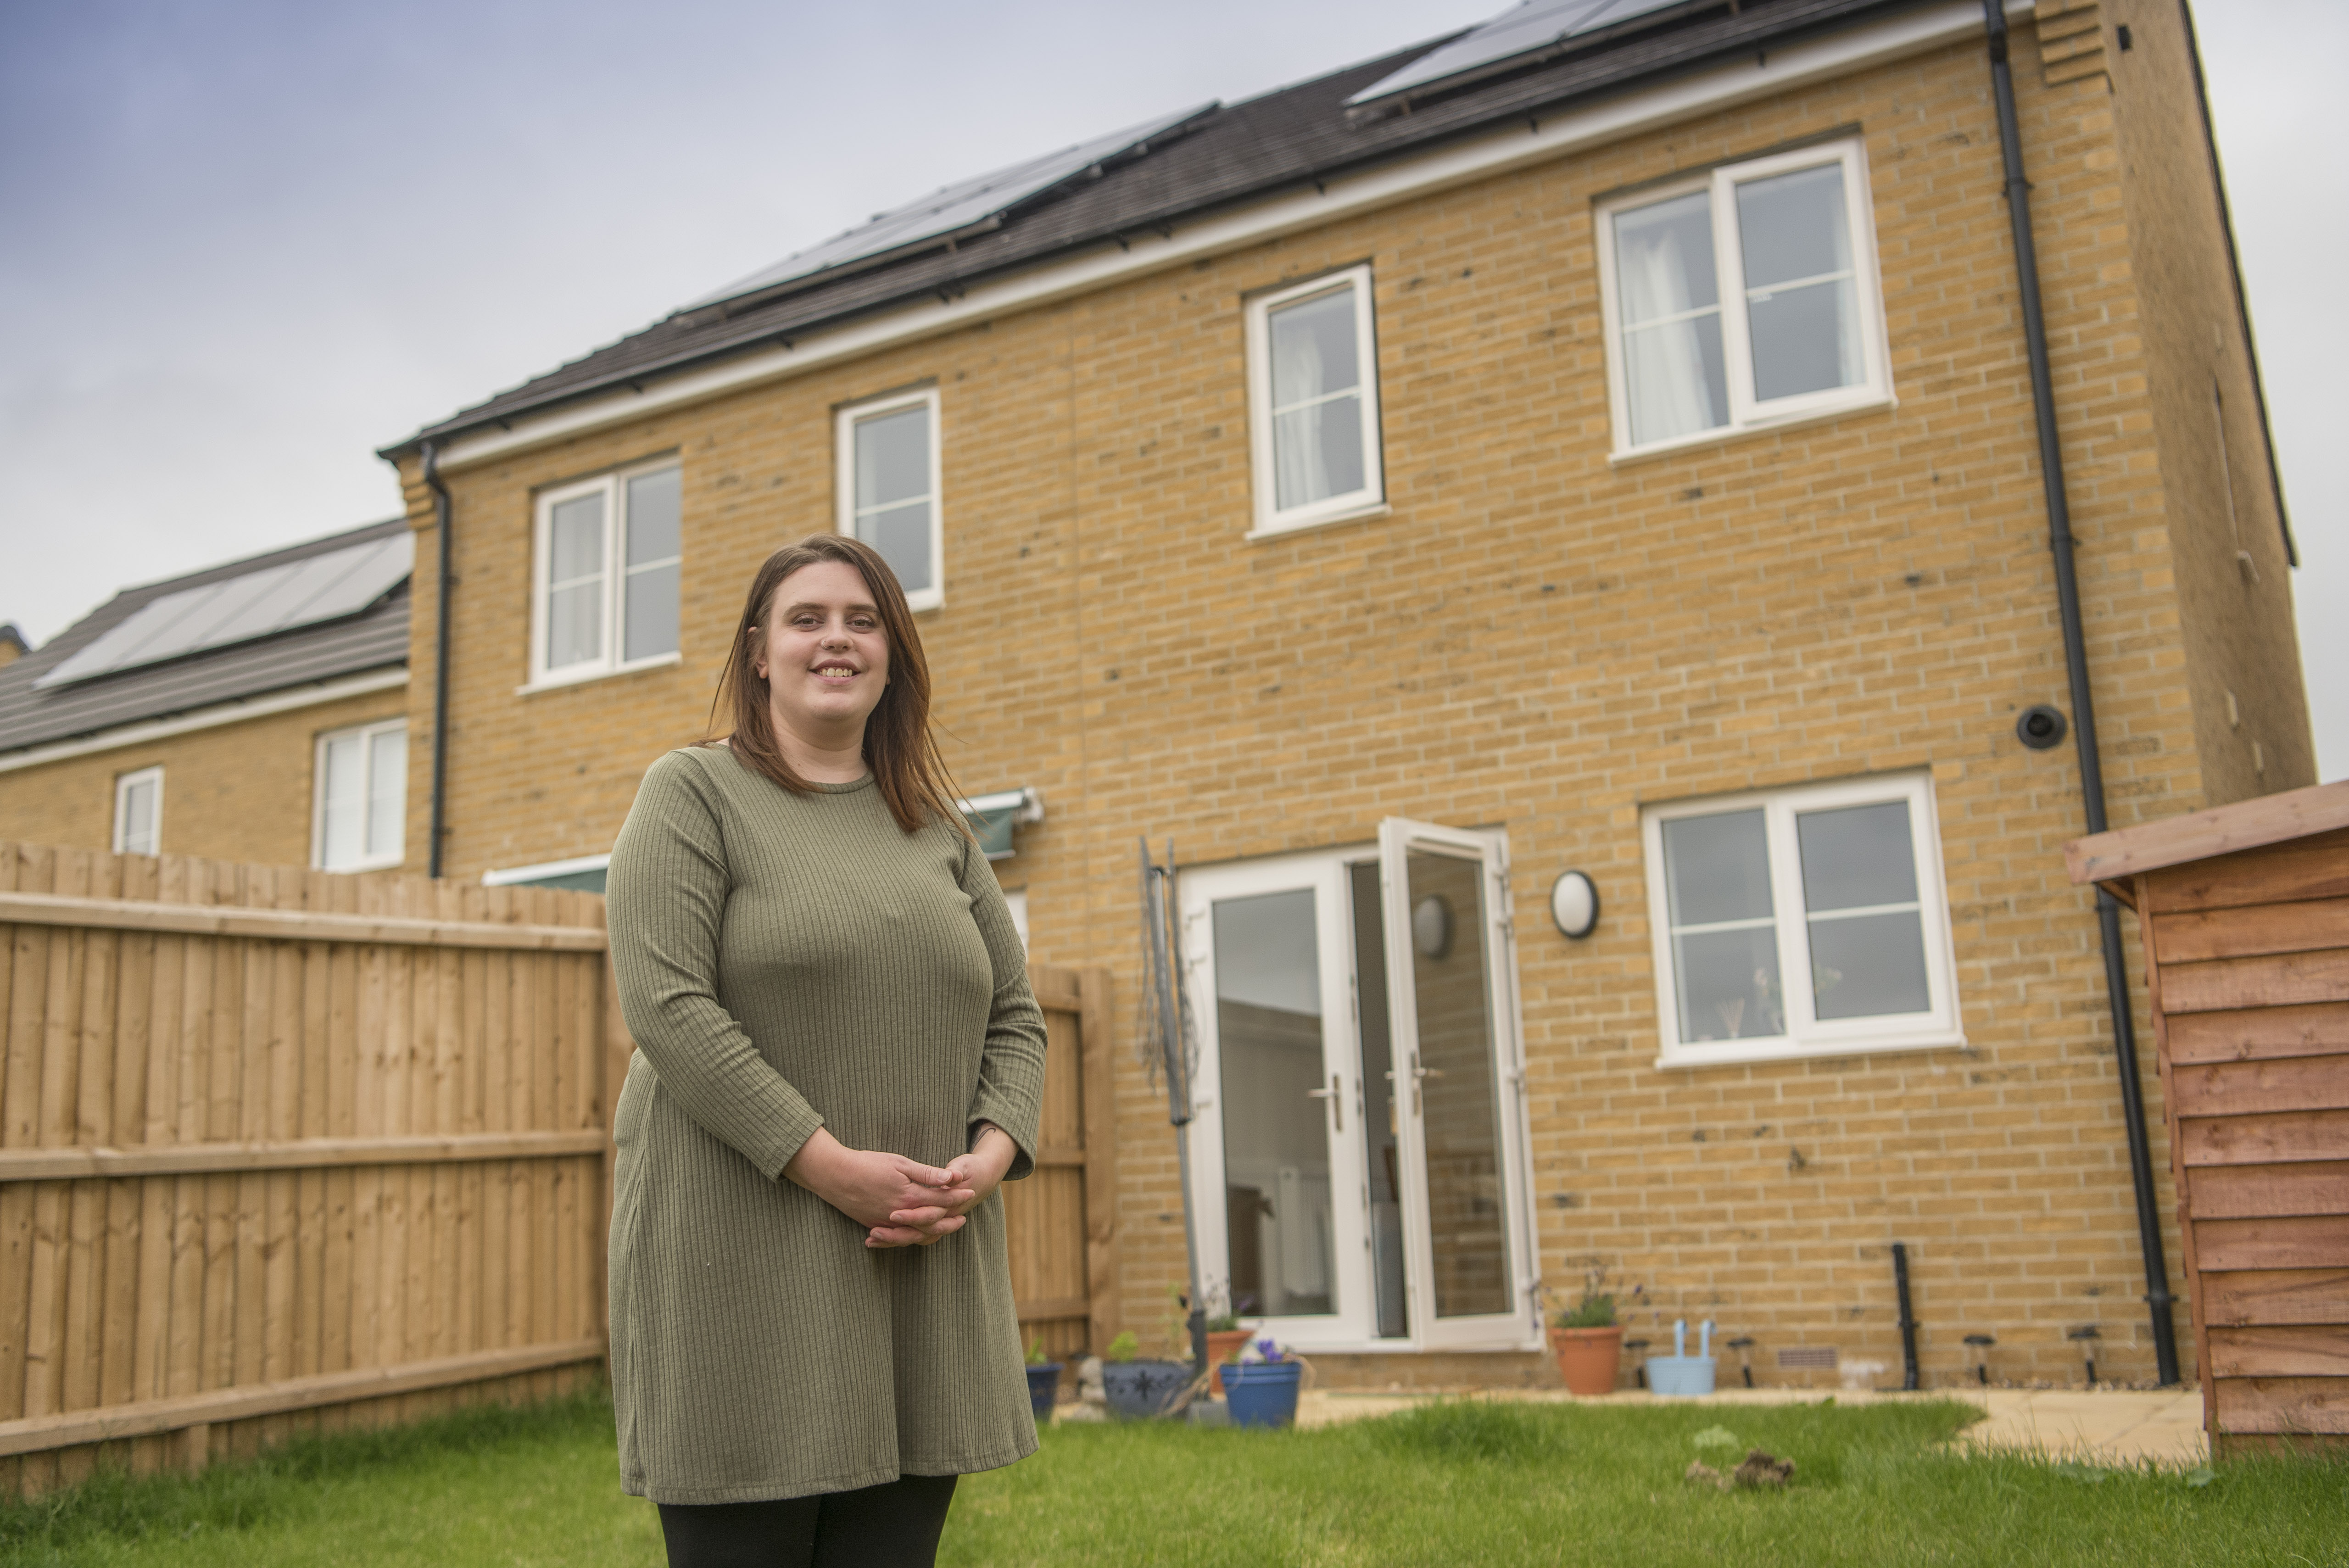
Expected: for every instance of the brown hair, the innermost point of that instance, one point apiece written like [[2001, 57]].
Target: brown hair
[[898, 746]]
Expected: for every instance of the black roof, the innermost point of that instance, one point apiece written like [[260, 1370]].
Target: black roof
[[1239, 152], [375, 638]]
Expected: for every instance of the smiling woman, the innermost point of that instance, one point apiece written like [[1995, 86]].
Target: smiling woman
[[838, 1061]]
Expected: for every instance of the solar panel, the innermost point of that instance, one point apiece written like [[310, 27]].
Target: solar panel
[[1534, 25], [255, 604], [949, 210]]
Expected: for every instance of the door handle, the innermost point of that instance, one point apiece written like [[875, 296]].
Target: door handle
[[1418, 1075], [1337, 1100]]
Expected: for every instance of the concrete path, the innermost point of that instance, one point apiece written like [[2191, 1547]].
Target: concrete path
[[2108, 1427]]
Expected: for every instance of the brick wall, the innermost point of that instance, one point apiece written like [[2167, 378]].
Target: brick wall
[[2242, 653], [235, 792], [1536, 639]]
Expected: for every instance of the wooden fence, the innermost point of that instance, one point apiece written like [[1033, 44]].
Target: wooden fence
[[280, 1150], [2244, 911], [284, 1152], [1062, 1221]]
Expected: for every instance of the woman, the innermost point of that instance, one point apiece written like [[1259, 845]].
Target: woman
[[838, 1059]]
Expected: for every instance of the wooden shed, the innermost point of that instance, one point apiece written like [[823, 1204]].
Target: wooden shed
[[2244, 915]]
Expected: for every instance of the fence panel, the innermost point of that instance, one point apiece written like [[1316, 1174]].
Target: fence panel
[[282, 1150]]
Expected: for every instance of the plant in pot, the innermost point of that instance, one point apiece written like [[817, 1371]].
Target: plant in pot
[[1588, 1339], [1262, 1386], [1137, 1387], [1044, 1378], [1225, 1336]]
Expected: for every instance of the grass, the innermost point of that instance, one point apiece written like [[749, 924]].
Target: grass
[[1450, 1483]]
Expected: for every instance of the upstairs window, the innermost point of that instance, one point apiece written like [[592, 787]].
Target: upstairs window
[[1741, 299], [888, 488], [609, 557], [1313, 399], [138, 813], [359, 816], [1805, 922]]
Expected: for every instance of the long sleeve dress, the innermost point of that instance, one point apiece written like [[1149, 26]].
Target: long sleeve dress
[[785, 963]]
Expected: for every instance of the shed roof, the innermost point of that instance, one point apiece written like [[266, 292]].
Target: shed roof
[[376, 638], [1222, 155], [2250, 824]]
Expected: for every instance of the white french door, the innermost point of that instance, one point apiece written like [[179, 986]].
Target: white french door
[[1359, 1139]]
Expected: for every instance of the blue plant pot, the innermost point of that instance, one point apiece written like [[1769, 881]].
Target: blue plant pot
[[1043, 1387], [1142, 1388], [1680, 1374], [1263, 1393]]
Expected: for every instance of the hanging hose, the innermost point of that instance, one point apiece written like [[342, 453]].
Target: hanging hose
[[1167, 1023]]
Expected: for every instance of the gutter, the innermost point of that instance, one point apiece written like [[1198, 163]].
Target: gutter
[[441, 507], [2084, 717]]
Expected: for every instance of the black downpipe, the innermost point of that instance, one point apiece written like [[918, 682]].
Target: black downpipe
[[2084, 717], [440, 509], [1908, 1317]]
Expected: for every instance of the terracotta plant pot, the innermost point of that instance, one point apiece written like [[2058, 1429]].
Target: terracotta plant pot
[[1223, 1344], [1587, 1358]]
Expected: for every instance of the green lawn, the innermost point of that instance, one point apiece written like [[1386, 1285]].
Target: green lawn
[[1452, 1483]]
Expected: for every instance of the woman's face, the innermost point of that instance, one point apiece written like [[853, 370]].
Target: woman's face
[[823, 655]]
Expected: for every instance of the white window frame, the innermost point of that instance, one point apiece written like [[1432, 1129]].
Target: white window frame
[[844, 423], [123, 784], [366, 733], [613, 487], [1807, 1036], [1372, 497], [1745, 414]]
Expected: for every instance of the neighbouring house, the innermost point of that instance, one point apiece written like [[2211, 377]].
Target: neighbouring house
[[1550, 525], [254, 711]]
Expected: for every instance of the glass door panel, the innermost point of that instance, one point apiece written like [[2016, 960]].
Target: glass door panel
[[1381, 1125], [1451, 1006], [1279, 1229], [1460, 1104]]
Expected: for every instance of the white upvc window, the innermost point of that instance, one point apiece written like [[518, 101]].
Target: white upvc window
[[138, 813], [1808, 922], [358, 813], [889, 488], [1313, 403], [604, 594], [1743, 299]]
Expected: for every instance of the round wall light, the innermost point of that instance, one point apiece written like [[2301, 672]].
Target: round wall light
[[2041, 727], [1430, 927], [1574, 904]]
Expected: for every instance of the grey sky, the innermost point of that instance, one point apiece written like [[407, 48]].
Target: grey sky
[[248, 243]]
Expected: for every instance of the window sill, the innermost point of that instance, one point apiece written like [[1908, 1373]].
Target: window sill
[[558, 683], [1872, 404], [1740, 1053], [380, 863], [1353, 514]]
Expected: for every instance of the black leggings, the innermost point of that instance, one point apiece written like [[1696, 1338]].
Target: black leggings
[[893, 1525]]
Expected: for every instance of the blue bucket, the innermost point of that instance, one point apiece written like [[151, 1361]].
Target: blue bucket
[[1262, 1393], [1681, 1373]]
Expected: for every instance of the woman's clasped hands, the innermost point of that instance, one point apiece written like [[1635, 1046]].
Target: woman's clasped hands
[[902, 1202]]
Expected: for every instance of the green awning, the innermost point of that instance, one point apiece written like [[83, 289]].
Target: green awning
[[991, 818]]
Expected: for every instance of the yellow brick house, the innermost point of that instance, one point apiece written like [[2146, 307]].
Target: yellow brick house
[[251, 711], [1591, 460]]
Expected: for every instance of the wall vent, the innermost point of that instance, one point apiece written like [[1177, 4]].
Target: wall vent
[[1808, 1358]]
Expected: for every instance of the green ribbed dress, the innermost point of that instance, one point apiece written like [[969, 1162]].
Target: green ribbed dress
[[788, 961]]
